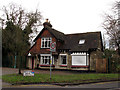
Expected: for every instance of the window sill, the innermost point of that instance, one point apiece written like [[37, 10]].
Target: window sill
[[44, 48], [47, 65], [63, 65], [79, 66]]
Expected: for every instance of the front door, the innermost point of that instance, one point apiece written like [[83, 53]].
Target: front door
[[32, 62]]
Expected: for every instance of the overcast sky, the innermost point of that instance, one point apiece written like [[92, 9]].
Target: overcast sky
[[69, 16]]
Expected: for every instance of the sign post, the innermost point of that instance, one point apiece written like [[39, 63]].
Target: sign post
[[50, 64], [52, 49]]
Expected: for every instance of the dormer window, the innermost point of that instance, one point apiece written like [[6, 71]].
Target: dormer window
[[82, 41], [45, 42]]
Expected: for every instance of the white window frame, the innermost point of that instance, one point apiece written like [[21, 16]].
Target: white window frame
[[43, 40], [81, 54], [61, 59], [48, 59]]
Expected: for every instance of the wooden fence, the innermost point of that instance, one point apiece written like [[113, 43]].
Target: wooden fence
[[101, 65]]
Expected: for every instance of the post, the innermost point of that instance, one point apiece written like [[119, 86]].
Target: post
[[50, 64], [52, 49], [15, 61], [109, 65]]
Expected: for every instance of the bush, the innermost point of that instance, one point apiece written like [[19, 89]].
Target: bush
[[118, 68]]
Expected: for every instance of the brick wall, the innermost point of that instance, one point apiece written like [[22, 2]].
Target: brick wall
[[37, 47]]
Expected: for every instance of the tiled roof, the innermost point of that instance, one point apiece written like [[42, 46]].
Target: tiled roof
[[57, 34], [71, 41]]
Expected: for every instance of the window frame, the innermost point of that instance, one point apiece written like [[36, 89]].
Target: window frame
[[81, 55], [42, 62], [44, 40], [61, 59]]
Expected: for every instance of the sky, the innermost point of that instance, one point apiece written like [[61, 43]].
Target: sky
[[69, 16]]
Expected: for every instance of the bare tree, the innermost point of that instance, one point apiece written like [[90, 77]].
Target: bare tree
[[112, 26], [20, 17]]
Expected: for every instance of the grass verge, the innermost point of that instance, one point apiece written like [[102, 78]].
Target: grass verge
[[0, 77], [45, 78]]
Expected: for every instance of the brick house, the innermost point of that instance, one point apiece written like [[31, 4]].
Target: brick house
[[73, 51]]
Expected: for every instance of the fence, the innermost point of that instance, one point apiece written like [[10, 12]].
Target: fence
[[101, 65], [109, 65], [14, 62]]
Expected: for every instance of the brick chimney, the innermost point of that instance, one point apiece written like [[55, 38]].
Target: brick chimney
[[47, 23]]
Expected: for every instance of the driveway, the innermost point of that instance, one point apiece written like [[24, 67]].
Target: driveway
[[9, 71], [6, 70]]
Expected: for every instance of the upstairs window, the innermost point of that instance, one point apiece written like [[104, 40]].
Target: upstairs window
[[45, 42], [82, 41]]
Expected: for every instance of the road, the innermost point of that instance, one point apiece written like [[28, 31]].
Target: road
[[108, 85]]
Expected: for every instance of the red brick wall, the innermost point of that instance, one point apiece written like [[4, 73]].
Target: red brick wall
[[37, 47]]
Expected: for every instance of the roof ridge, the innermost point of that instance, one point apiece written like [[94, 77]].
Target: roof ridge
[[57, 31], [54, 29], [82, 33]]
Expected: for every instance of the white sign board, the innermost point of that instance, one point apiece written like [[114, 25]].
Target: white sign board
[[28, 73]]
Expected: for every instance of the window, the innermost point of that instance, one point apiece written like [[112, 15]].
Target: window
[[80, 59], [45, 60], [45, 42], [63, 59], [81, 41]]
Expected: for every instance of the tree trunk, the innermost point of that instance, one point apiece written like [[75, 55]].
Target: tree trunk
[[20, 65]]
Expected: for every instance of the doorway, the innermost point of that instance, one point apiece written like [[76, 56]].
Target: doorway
[[32, 62]]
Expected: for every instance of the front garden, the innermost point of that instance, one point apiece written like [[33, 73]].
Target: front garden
[[73, 78]]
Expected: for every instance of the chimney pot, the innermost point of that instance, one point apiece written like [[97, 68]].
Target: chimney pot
[[47, 20]]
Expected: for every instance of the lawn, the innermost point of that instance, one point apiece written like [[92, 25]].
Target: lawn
[[0, 77], [45, 78]]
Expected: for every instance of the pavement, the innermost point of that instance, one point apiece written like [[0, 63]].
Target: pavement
[[100, 85], [14, 70]]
